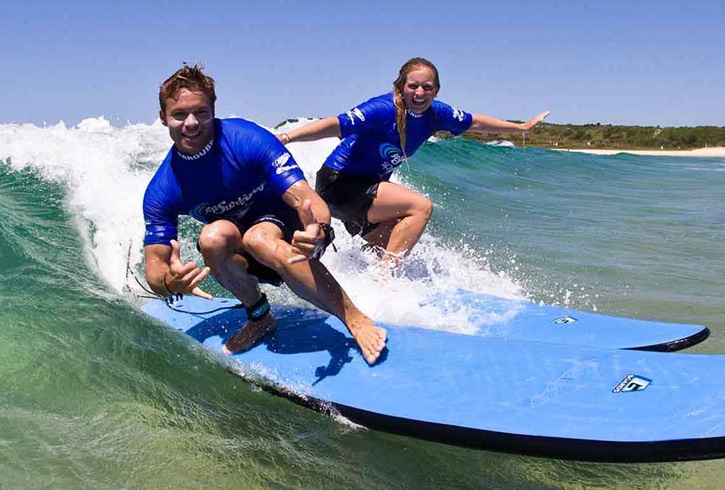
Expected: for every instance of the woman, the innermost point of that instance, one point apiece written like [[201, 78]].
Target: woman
[[377, 137]]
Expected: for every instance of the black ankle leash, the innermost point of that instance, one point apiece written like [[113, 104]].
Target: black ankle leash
[[259, 309]]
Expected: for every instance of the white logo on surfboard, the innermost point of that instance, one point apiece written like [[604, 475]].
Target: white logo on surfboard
[[632, 382]]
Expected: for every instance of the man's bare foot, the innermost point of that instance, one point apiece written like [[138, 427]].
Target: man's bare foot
[[369, 338], [244, 338]]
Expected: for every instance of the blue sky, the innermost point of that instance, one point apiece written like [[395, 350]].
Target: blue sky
[[619, 62]]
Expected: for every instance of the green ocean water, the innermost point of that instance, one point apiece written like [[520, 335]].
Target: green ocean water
[[94, 395]]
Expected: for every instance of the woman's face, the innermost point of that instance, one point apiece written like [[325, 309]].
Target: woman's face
[[420, 89]]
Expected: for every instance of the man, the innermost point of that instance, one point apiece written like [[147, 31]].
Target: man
[[263, 222]]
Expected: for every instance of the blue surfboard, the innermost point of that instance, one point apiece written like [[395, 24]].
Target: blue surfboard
[[525, 320], [526, 397], [521, 319]]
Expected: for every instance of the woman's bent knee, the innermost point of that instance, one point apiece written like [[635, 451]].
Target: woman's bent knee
[[425, 208]]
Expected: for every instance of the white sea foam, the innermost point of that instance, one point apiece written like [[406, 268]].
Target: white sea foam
[[106, 170]]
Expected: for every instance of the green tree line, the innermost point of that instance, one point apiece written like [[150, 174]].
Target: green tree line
[[608, 136]]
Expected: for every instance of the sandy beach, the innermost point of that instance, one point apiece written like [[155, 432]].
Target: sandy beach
[[701, 152]]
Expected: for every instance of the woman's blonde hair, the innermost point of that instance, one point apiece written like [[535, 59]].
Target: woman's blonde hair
[[399, 84]]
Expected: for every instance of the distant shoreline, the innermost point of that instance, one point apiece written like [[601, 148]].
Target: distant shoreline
[[641, 140], [700, 152]]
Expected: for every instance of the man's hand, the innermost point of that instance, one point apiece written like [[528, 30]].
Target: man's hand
[[305, 244], [184, 278]]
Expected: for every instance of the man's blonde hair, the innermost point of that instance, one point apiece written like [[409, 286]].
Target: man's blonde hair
[[188, 77]]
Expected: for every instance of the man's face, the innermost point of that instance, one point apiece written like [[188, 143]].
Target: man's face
[[190, 119]]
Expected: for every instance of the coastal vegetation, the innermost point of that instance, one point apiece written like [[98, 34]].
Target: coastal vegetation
[[608, 136]]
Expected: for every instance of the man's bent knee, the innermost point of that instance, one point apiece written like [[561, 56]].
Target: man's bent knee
[[264, 248], [218, 236]]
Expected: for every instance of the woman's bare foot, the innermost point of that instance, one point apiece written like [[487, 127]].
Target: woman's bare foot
[[388, 267], [245, 338], [369, 338]]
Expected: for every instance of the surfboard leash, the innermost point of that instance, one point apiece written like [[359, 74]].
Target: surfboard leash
[[168, 300]]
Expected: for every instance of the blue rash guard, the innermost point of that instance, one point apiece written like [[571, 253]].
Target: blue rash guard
[[241, 175], [371, 144]]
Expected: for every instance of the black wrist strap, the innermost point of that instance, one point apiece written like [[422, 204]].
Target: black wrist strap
[[329, 233], [258, 309], [166, 286], [172, 297]]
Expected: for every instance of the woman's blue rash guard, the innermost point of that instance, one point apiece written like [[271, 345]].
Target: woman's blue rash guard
[[371, 144], [241, 175]]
